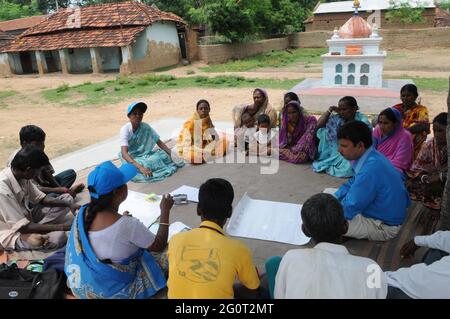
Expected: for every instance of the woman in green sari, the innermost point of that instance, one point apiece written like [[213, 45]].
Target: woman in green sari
[[137, 141]]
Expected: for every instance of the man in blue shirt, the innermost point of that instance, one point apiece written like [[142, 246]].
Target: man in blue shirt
[[374, 199]]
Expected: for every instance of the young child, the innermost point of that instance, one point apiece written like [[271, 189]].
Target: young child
[[245, 133], [262, 137]]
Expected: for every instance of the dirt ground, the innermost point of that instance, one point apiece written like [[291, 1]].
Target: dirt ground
[[70, 128]]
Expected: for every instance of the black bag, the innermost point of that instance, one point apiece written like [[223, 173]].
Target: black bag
[[18, 283]]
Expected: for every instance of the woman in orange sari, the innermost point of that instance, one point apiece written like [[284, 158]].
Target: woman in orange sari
[[415, 116], [199, 142]]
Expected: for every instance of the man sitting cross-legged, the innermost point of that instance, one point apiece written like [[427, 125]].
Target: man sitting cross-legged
[[328, 270], [374, 199], [21, 227]]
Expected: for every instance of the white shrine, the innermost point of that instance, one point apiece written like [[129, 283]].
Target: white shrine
[[354, 58], [352, 66]]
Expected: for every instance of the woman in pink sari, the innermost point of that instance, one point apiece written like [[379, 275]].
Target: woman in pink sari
[[393, 141], [297, 134]]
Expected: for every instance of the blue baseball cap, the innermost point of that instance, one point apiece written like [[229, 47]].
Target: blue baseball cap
[[142, 105], [106, 177]]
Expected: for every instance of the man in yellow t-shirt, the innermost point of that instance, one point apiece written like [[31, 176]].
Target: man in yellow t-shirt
[[204, 262]]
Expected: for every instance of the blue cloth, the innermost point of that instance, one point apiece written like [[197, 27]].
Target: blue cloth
[[376, 191], [272, 264], [329, 159], [140, 148], [136, 277]]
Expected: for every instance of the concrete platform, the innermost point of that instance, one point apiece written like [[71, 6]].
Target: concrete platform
[[291, 184], [109, 149], [316, 98]]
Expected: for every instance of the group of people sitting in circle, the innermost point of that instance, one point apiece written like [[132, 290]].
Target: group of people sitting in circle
[[113, 255]]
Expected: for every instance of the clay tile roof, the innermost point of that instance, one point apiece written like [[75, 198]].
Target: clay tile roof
[[104, 15], [104, 25], [5, 36], [355, 27], [20, 24], [76, 39]]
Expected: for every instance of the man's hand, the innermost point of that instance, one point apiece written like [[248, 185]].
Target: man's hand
[[75, 189], [408, 249], [74, 208], [66, 227]]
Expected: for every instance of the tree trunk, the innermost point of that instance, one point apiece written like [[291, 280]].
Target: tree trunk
[[445, 208]]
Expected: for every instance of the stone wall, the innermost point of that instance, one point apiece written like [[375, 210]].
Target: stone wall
[[192, 46], [328, 21], [219, 53], [392, 39]]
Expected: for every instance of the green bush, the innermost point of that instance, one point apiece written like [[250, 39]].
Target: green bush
[[404, 13]]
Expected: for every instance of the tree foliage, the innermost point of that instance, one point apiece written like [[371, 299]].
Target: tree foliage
[[18, 9], [403, 12]]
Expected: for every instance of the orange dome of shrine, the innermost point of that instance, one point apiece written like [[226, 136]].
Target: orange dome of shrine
[[356, 27]]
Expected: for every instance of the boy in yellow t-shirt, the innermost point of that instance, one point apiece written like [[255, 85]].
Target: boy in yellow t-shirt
[[204, 262]]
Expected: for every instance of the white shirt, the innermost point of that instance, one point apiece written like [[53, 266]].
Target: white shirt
[[15, 200], [422, 281], [121, 240], [126, 132], [328, 271]]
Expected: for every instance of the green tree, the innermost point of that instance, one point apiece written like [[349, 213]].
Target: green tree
[[404, 13], [179, 7], [10, 10], [285, 16]]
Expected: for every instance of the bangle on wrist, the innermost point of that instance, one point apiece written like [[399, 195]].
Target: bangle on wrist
[[164, 224], [65, 190]]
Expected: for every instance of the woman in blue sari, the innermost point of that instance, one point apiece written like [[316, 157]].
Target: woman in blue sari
[[329, 159], [110, 255], [137, 142]]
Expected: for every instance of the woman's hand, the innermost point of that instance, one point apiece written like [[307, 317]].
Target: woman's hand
[[145, 171], [166, 203], [333, 109], [165, 206]]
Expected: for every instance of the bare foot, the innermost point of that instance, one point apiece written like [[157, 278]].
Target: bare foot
[[35, 240]]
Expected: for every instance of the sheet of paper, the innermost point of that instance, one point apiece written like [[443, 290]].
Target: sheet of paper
[[267, 220], [191, 192], [140, 208], [174, 228]]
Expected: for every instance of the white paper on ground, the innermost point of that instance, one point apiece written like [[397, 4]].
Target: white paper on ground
[[267, 220], [174, 228], [191, 192], [140, 208], [330, 190]]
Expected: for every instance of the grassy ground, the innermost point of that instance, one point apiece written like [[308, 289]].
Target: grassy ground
[[4, 95], [433, 84], [271, 59], [127, 87]]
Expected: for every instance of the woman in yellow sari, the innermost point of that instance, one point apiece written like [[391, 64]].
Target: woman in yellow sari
[[199, 142], [415, 116]]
